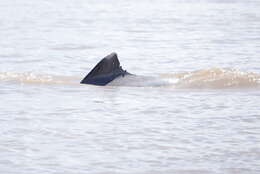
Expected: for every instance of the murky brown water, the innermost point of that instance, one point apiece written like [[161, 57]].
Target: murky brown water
[[194, 108]]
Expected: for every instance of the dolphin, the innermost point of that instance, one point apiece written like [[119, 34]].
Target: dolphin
[[105, 71]]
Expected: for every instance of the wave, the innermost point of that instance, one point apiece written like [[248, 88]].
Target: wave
[[33, 78], [214, 78]]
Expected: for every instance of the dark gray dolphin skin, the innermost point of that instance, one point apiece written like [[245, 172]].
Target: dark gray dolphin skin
[[105, 71]]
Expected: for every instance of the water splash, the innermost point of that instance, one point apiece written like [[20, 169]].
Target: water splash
[[214, 78], [32, 78]]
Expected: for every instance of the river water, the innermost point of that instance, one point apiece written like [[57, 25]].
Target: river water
[[204, 118]]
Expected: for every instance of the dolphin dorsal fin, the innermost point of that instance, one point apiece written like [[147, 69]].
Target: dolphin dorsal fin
[[105, 71], [107, 65]]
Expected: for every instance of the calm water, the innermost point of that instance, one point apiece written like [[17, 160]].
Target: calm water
[[205, 120]]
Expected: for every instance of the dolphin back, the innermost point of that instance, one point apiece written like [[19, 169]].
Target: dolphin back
[[105, 71]]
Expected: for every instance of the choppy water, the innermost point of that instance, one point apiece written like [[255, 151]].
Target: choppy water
[[203, 118]]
